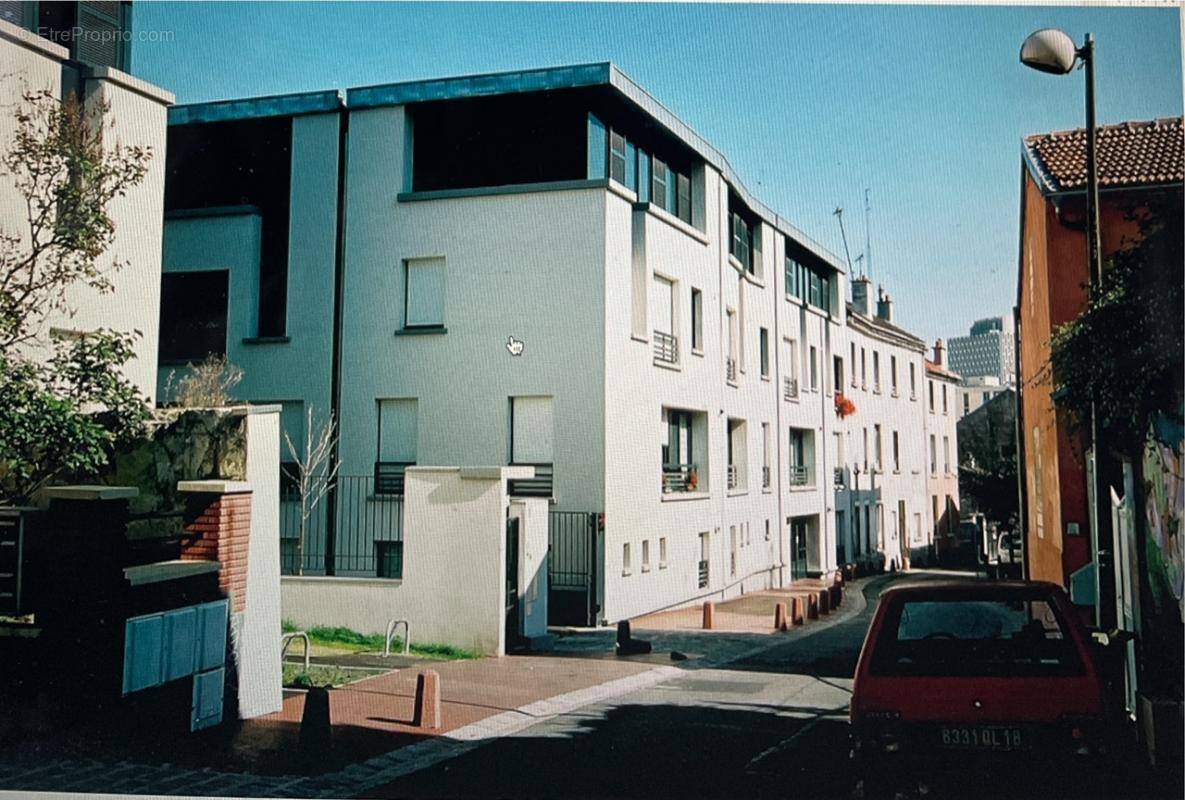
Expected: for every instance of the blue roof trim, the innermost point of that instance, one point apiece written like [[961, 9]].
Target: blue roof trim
[[283, 105], [534, 80]]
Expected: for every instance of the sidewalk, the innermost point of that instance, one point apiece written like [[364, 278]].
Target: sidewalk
[[749, 613]]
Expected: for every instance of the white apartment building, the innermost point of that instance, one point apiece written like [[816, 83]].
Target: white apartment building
[[602, 299], [974, 392], [941, 422], [135, 116]]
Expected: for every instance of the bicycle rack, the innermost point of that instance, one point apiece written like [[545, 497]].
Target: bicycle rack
[[288, 638], [391, 627]]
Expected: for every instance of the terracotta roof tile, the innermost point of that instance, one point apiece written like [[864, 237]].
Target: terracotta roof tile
[[1130, 154], [943, 372]]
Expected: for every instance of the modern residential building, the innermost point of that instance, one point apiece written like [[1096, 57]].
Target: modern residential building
[[988, 350], [81, 51], [1140, 166], [604, 301], [973, 393]]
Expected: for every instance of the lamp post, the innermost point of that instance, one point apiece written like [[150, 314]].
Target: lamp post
[[1053, 51]]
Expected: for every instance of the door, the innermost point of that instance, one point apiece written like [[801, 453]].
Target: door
[[1125, 587], [513, 628], [572, 558], [798, 542]]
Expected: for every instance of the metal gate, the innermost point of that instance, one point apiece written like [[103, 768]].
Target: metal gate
[[513, 628], [572, 568], [798, 549]]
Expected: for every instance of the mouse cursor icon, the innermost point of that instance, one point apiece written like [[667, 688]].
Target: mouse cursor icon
[[514, 346]]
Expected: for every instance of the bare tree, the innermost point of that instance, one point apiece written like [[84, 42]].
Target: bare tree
[[314, 473], [208, 384]]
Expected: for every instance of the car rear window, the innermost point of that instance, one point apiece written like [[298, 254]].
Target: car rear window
[[974, 637]]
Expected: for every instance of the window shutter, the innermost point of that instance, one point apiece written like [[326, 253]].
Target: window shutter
[[534, 430], [398, 430], [101, 43], [425, 292]]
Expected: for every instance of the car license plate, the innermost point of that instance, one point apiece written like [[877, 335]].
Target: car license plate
[[983, 737]]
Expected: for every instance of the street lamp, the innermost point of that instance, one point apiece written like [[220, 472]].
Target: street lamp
[[1053, 51]]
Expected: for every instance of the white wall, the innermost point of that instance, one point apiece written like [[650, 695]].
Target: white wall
[[527, 265], [454, 552], [136, 117]]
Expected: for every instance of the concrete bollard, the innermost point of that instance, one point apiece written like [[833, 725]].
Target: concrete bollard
[[427, 710], [709, 615], [824, 602], [812, 606], [837, 600], [780, 617], [796, 610]]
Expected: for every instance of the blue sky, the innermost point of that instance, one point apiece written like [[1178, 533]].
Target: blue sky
[[925, 106]]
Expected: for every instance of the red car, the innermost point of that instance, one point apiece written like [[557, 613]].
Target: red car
[[972, 673]]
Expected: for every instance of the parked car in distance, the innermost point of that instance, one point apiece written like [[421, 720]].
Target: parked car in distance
[[958, 674], [1003, 555]]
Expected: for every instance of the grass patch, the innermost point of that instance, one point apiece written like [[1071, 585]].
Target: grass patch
[[296, 676], [352, 641]]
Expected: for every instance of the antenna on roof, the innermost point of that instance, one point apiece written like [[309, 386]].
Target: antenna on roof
[[838, 212], [867, 238]]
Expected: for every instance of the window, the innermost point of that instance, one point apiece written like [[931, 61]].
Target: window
[[617, 159], [966, 403], [732, 550], [853, 364], [896, 453], [737, 455], [766, 477], [913, 383], [398, 434], [388, 558], [645, 555], [933, 456], [866, 449], [670, 189], [193, 315], [626, 566], [742, 240], [930, 386], [683, 197], [863, 368], [814, 369], [837, 377], [877, 438], [944, 408], [660, 179], [893, 374], [876, 371], [662, 552], [793, 278], [424, 293], [532, 434], [767, 530], [946, 454], [662, 319], [697, 320], [800, 456], [763, 341]]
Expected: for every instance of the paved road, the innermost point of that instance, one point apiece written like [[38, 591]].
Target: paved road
[[770, 725]]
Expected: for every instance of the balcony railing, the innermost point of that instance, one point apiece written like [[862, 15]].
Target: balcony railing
[[730, 369], [364, 524], [765, 477], [388, 476], [789, 388], [703, 574], [732, 476], [839, 476], [798, 475], [679, 478], [666, 348], [542, 485]]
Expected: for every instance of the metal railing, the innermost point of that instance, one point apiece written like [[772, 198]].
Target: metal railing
[[732, 476], [730, 369], [542, 485], [388, 476], [765, 477], [367, 526], [789, 388], [288, 638], [798, 475], [666, 348], [703, 574], [679, 478]]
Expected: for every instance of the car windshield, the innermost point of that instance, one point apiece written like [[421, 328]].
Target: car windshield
[[974, 637]]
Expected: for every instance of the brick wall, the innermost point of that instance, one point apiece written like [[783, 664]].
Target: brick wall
[[218, 528]]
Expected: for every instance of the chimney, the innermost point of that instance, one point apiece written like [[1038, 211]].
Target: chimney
[[860, 291], [940, 353], [884, 305]]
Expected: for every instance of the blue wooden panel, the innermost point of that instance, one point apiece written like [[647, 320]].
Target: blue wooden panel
[[180, 643], [143, 662], [212, 618], [207, 699]]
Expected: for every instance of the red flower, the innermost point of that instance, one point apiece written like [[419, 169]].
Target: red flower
[[843, 406]]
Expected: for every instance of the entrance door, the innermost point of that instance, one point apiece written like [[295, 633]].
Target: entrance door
[[513, 629], [798, 536]]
